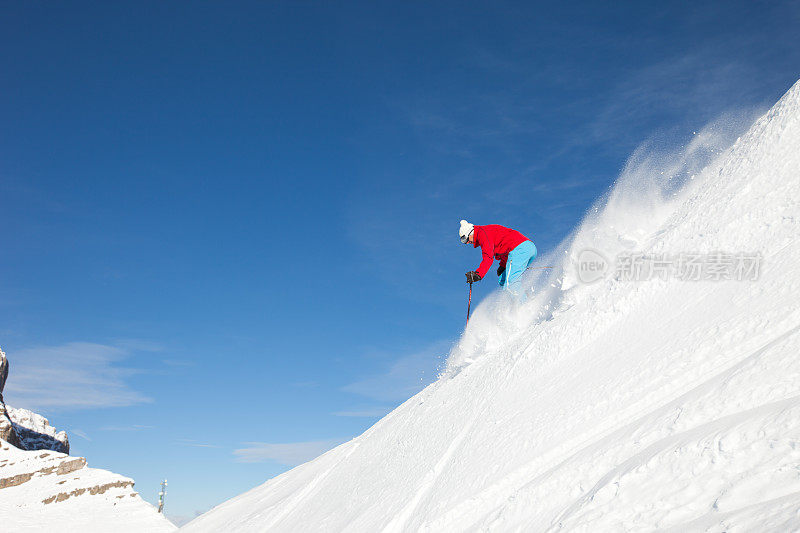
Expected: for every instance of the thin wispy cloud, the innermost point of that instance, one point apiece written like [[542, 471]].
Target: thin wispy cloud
[[365, 413], [685, 90], [404, 377], [79, 433], [77, 375], [289, 454], [195, 444], [309, 384], [138, 345], [133, 427], [178, 363]]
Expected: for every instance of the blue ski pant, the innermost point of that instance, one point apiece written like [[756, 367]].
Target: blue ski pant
[[519, 259]]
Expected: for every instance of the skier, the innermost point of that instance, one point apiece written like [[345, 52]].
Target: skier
[[514, 250]]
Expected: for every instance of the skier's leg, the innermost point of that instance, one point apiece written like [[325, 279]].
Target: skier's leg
[[518, 261], [534, 253]]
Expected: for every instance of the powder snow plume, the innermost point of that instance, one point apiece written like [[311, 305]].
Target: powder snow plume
[[614, 405], [653, 184]]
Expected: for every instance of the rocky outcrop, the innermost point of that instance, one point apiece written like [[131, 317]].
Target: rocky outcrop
[[97, 489], [36, 433], [7, 430], [25, 429], [3, 372], [41, 484]]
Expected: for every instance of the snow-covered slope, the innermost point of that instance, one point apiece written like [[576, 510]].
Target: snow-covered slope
[[43, 490], [610, 406]]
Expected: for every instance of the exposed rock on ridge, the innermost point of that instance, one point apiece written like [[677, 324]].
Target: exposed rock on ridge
[[25, 429], [7, 431]]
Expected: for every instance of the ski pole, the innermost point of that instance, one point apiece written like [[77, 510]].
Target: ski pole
[[537, 268], [469, 303]]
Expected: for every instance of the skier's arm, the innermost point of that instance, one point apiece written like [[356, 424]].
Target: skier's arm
[[487, 249]]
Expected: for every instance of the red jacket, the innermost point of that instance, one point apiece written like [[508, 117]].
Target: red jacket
[[496, 242]]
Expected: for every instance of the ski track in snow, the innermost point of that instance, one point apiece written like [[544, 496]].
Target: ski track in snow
[[517, 480], [398, 522], [298, 498], [690, 435], [616, 406]]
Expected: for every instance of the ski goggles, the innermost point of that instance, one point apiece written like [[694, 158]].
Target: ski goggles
[[465, 238]]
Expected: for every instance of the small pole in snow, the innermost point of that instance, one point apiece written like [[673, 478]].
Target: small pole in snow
[[469, 303], [161, 496]]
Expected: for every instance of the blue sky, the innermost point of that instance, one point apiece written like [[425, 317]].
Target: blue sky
[[229, 230]]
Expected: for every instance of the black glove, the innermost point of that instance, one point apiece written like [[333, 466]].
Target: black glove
[[473, 276], [501, 269]]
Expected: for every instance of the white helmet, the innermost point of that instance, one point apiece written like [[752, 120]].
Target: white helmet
[[464, 231]]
